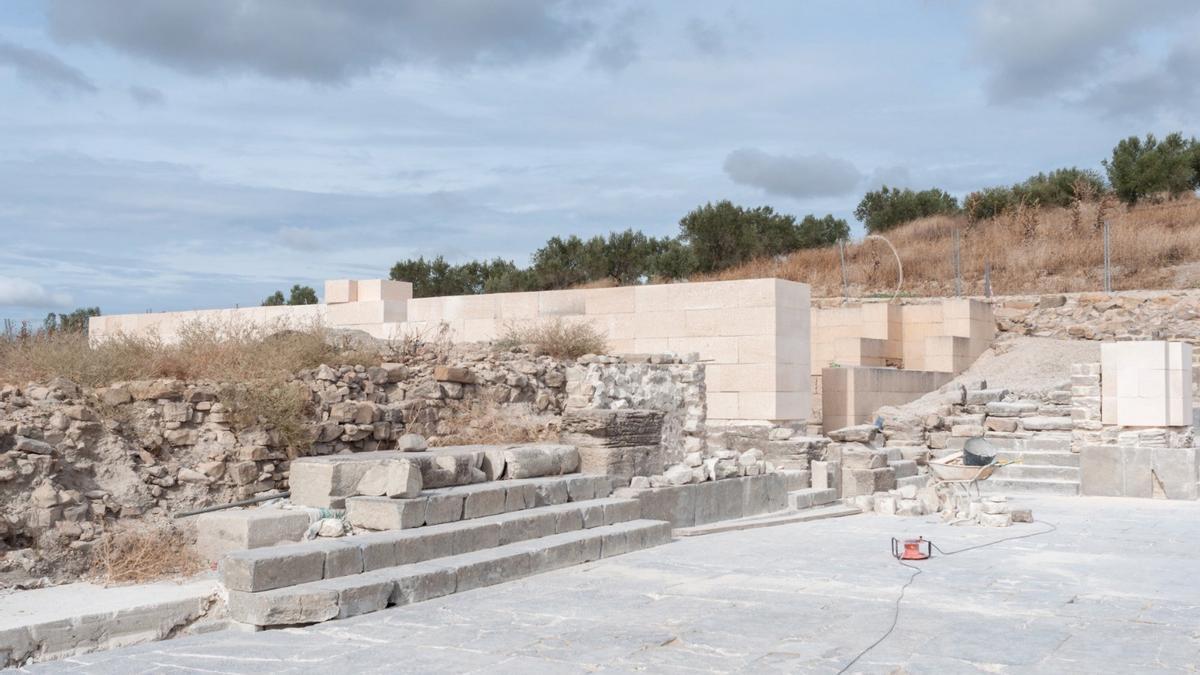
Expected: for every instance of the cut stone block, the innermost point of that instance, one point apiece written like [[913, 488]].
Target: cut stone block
[[284, 606], [526, 525], [531, 461], [359, 594], [1041, 423], [904, 468], [559, 551], [622, 510], [384, 513], [270, 568], [443, 508], [488, 568], [237, 530], [421, 582], [484, 500], [859, 456], [324, 483], [867, 481]]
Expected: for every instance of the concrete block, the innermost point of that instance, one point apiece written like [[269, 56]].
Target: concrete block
[[487, 568], [266, 569], [383, 513], [284, 607], [421, 582]]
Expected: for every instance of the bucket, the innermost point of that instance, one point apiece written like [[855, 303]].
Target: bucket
[[978, 452]]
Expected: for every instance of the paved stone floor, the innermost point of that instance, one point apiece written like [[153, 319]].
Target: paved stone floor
[[1116, 589]]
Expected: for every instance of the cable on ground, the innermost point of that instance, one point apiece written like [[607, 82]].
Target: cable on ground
[[917, 571]]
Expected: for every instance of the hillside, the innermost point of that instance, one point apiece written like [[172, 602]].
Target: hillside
[[1153, 246]]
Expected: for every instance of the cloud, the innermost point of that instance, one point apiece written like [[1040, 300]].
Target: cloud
[[1034, 49], [299, 238], [146, 96], [798, 176], [1172, 85], [618, 48], [25, 293], [705, 37], [45, 71], [327, 42], [891, 176]]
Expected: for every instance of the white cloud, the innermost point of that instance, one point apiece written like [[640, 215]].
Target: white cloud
[[25, 293], [798, 176]]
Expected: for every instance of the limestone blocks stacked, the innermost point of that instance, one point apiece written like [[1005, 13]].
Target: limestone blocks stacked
[[1146, 384], [990, 511]]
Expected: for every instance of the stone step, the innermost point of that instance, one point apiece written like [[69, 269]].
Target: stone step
[[810, 497], [1037, 472], [465, 502], [347, 596], [834, 510], [996, 485], [276, 567], [1040, 458], [918, 481]]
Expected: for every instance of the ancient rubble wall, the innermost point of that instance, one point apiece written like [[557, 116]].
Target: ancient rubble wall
[[754, 333]]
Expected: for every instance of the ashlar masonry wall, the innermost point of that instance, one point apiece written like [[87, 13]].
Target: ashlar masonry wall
[[753, 335]]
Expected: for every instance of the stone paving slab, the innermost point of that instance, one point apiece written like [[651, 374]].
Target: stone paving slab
[[1114, 590]]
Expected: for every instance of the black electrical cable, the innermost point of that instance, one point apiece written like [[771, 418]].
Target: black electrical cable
[[917, 571]]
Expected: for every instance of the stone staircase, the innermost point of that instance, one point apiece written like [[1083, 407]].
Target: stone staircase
[[1044, 466], [445, 541]]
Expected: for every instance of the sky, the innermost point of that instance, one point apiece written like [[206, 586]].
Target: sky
[[161, 155]]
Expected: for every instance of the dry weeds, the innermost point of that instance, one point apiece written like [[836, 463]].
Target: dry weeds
[[1033, 251], [222, 352], [143, 553], [485, 422], [556, 338]]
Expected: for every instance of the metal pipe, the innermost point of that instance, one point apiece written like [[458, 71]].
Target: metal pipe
[[244, 502]]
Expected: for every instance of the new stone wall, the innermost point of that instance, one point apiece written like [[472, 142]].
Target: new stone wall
[[753, 333]]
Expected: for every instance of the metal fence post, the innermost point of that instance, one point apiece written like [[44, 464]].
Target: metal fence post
[[1107, 262], [842, 258], [957, 267]]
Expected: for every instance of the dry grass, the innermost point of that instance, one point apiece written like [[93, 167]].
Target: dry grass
[[285, 407], [556, 338], [1031, 251], [485, 422], [143, 553], [208, 351]]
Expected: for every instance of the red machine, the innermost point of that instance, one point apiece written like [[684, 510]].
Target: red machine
[[913, 549]]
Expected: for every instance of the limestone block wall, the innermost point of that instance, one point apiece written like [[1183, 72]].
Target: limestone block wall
[[852, 395], [753, 335], [1146, 383], [169, 326], [945, 335]]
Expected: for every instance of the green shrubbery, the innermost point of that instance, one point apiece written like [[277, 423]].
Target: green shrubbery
[[1061, 187], [300, 295], [886, 208], [1143, 168], [712, 237]]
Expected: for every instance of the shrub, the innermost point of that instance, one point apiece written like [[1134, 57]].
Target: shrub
[[1139, 169], [554, 338], [282, 406], [886, 208], [143, 553], [722, 235]]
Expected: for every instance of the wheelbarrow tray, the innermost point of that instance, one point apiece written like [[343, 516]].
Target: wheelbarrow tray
[[951, 468]]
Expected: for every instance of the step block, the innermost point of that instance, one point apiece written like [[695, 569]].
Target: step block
[[1036, 472], [280, 566], [374, 590], [465, 502], [1035, 458], [918, 481], [996, 485], [238, 530], [810, 497]]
